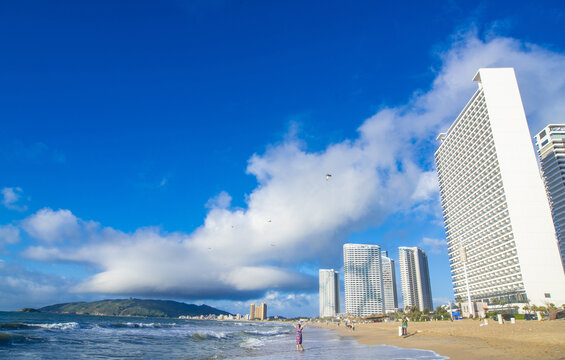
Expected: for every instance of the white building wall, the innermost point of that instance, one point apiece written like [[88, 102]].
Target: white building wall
[[551, 152], [407, 277], [415, 278], [389, 284], [329, 292], [527, 201], [363, 279], [495, 208]]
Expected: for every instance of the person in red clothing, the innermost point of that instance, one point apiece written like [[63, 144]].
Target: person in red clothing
[[299, 337]]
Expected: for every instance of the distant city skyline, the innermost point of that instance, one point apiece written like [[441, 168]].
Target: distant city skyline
[[180, 150]]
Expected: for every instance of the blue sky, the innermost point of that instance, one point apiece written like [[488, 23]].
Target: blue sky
[[178, 149]]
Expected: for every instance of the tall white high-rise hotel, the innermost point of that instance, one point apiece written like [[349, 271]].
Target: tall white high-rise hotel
[[363, 279], [500, 233], [329, 292], [415, 278]]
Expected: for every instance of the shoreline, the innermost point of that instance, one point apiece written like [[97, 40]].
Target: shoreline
[[466, 339]]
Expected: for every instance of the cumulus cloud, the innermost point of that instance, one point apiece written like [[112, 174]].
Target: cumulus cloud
[[149, 262], [11, 197], [434, 246], [221, 201], [295, 216], [441, 301], [9, 234], [294, 304], [23, 288], [289, 304], [427, 186], [50, 226]]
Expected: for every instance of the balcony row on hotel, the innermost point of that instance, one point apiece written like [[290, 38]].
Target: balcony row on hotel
[[514, 248]]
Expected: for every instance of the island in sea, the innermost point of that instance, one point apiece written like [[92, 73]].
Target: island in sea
[[131, 307]]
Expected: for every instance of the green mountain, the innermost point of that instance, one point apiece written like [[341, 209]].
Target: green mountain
[[133, 307]]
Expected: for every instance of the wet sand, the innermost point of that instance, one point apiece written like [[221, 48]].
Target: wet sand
[[466, 339]]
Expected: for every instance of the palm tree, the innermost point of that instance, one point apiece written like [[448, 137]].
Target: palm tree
[[493, 301], [459, 300]]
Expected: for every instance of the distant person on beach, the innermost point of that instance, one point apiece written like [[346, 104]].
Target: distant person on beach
[[299, 337], [404, 325]]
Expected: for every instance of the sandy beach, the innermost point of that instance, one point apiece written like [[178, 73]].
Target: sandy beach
[[466, 339]]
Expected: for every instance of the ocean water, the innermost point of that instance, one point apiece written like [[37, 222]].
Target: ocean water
[[55, 336]]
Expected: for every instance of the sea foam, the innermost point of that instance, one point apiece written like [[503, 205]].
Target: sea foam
[[251, 343], [59, 326]]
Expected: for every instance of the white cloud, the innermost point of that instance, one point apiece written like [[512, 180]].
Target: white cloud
[[434, 246], [23, 288], [9, 234], [289, 304], [149, 262], [427, 186], [441, 301], [294, 304], [11, 197], [50, 226], [296, 216], [221, 201]]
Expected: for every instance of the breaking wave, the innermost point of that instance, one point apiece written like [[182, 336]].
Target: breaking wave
[[205, 335], [272, 332], [58, 326], [251, 343], [143, 325]]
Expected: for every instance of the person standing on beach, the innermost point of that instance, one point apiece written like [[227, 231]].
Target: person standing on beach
[[404, 325], [299, 337]]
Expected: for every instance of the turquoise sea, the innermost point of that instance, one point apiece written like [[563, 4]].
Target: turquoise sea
[[55, 336]]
